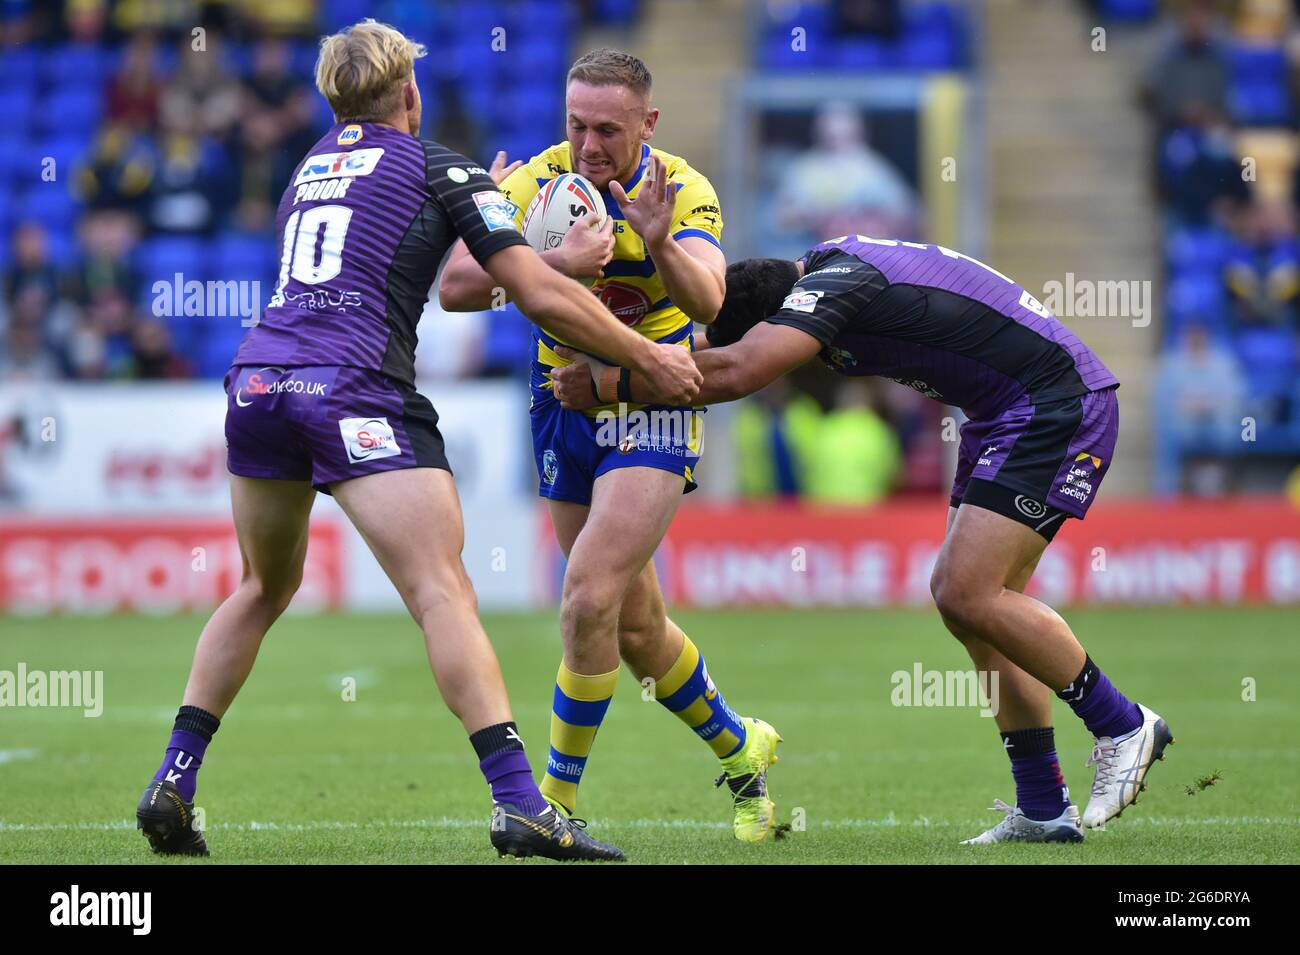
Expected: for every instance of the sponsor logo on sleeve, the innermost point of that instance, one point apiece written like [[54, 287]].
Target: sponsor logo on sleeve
[[497, 211], [358, 162], [368, 438], [802, 300]]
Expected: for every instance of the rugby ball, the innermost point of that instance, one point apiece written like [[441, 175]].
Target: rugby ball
[[557, 206]]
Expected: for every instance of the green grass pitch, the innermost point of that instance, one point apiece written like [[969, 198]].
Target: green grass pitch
[[298, 775]]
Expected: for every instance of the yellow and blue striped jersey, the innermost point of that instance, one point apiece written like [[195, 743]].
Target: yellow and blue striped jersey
[[631, 287]]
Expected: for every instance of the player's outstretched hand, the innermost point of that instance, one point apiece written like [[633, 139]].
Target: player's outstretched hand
[[674, 379], [572, 384], [650, 214], [499, 170], [586, 249]]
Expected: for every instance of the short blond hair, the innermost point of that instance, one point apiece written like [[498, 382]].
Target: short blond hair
[[611, 68], [362, 68]]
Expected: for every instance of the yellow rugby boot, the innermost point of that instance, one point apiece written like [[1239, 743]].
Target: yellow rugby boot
[[745, 774]]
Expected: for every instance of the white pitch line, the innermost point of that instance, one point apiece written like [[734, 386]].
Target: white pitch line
[[448, 823], [13, 755]]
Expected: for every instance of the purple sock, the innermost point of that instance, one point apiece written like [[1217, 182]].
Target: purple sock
[[1040, 788], [1104, 710], [511, 780], [505, 766], [181, 762]]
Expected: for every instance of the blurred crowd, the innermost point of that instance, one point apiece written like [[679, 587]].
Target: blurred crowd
[[150, 139], [1222, 92]]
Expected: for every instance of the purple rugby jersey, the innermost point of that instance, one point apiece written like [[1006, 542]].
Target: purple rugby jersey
[[363, 225], [940, 322]]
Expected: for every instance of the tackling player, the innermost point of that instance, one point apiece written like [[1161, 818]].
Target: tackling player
[[657, 265], [321, 397], [1041, 433]]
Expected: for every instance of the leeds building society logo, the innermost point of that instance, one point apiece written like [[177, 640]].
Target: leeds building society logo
[[1078, 480], [368, 438]]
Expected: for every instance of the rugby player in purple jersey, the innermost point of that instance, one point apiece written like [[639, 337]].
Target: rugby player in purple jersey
[[321, 397], [1041, 433]]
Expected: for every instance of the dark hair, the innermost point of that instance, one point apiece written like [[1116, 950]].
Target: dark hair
[[755, 289]]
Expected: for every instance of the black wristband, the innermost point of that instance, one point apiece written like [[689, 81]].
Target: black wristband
[[625, 385]]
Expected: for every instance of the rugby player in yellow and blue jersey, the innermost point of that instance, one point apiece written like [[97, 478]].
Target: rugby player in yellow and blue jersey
[[612, 491]]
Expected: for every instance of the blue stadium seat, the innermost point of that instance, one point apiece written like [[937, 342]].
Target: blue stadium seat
[[68, 149], [48, 203], [1258, 94], [71, 107], [218, 340], [336, 14], [508, 342], [18, 66], [618, 12], [1195, 249], [77, 64], [931, 38], [1130, 11], [161, 257], [18, 107], [1267, 353], [862, 53], [240, 252]]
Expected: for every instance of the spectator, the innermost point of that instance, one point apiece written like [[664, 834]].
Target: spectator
[[842, 186], [134, 94], [1262, 271], [185, 197], [106, 240], [274, 133], [119, 171], [31, 265], [856, 456], [1198, 394], [1193, 72], [872, 18], [775, 432], [1198, 169], [201, 98], [152, 357]]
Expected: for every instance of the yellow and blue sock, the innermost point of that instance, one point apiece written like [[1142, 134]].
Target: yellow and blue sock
[[688, 691], [577, 709]]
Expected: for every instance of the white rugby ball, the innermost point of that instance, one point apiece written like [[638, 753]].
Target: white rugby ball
[[557, 206]]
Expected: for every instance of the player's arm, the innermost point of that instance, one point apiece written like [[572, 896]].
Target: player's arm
[[465, 286], [686, 253], [478, 211], [767, 352]]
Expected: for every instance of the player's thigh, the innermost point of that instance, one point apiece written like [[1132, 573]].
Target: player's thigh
[[271, 520], [983, 552], [567, 519], [1018, 578], [411, 521], [631, 509]]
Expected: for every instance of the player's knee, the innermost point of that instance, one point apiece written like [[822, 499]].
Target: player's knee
[[588, 605], [273, 590], [960, 602], [448, 588]]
